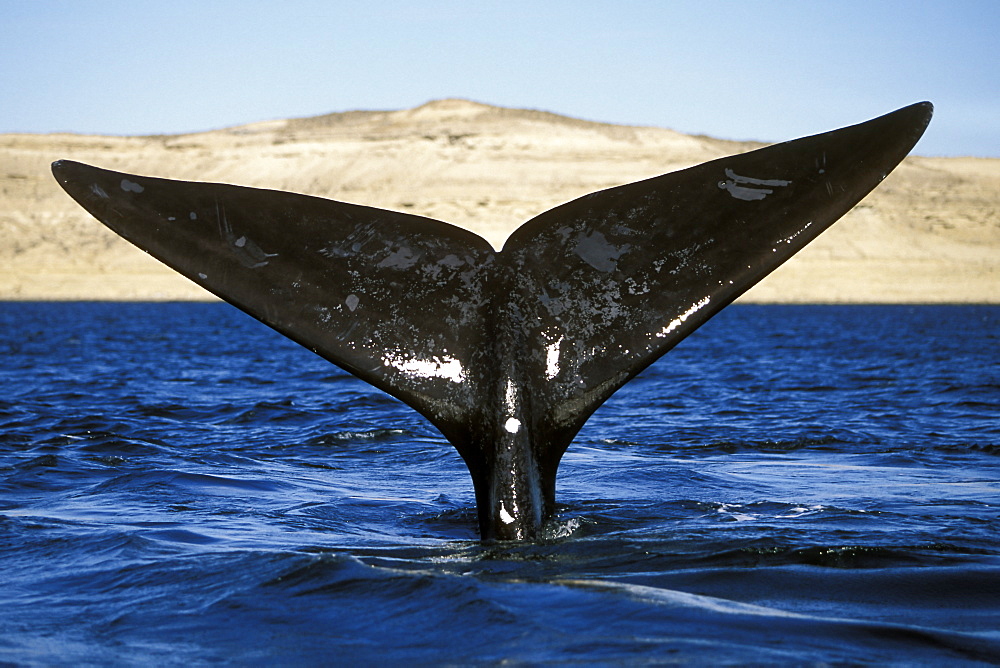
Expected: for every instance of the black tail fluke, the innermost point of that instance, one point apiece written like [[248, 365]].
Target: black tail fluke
[[507, 353]]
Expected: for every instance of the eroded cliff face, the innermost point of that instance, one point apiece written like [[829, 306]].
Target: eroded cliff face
[[929, 233]]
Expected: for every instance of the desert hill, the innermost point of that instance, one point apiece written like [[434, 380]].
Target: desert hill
[[929, 233]]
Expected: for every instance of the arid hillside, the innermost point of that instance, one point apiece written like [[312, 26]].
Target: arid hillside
[[929, 233]]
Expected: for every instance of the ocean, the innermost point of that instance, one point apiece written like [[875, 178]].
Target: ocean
[[179, 485]]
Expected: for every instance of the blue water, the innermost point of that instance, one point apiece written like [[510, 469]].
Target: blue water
[[792, 484]]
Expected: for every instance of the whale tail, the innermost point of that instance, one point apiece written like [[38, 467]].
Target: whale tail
[[507, 353]]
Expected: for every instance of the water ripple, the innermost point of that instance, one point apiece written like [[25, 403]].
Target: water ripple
[[180, 485]]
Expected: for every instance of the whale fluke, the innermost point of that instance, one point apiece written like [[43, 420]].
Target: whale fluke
[[507, 353]]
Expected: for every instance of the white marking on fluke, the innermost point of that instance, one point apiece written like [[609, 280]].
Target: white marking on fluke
[[737, 186], [131, 186], [248, 253], [510, 396], [598, 252], [552, 359], [404, 258], [448, 368], [505, 517], [512, 425]]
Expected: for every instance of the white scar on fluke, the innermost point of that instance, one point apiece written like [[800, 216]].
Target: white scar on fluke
[[737, 186], [447, 368], [131, 186], [552, 359]]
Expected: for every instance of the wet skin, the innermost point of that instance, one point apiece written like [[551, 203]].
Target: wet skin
[[506, 352]]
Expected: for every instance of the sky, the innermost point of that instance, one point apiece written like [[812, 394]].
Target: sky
[[746, 69]]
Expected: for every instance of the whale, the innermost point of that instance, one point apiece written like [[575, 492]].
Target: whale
[[506, 352]]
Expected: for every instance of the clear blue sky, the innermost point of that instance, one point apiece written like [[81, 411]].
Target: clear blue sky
[[734, 69]]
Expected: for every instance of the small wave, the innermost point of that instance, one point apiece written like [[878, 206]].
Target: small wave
[[146, 481], [618, 441], [457, 522], [562, 529], [680, 598], [272, 412], [361, 435], [827, 633], [46, 461], [116, 443], [740, 512], [768, 445], [965, 448], [181, 536], [769, 554]]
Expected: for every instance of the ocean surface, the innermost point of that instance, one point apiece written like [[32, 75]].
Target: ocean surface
[[179, 485]]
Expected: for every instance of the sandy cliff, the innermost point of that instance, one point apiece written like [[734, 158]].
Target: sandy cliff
[[929, 233]]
